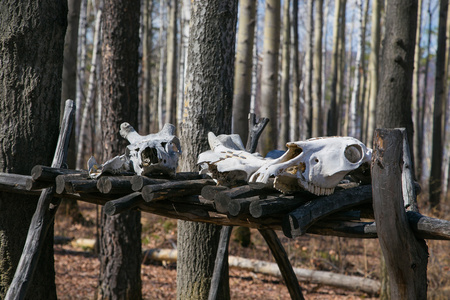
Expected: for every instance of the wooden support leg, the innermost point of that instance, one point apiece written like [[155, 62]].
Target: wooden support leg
[[225, 235], [283, 262], [43, 216]]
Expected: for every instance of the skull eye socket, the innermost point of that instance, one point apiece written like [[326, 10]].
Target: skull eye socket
[[353, 153], [149, 156], [163, 144], [293, 152]]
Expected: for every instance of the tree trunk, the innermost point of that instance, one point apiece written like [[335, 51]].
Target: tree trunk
[[296, 77], [162, 64], [317, 72], [283, 137], [309, 70], [145, 110], [269, 76], [120, 245], [184, 41], [29, 106], [435, 181], [81, 67], [341, 68], [210, 72], [373, 68], [243, 67], [171, 73]]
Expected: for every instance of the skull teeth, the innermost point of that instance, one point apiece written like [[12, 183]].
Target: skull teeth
[[319, 191]]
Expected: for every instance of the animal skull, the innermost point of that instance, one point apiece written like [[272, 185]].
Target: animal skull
[[153, 153], [228, 162], [316, 165]]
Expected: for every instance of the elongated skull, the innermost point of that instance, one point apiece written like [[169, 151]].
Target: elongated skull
[[154, 153], [316, 165], [228, 162]]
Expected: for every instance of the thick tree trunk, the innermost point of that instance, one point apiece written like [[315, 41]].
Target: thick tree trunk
[[317, 72], [171, 74], [29, 105], [269, 75], [283, 137], [435, 181], [243, 67], [210, 72], [120, 245]]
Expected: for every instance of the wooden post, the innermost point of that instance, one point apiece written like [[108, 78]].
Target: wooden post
[[43, 216], [406, 256]]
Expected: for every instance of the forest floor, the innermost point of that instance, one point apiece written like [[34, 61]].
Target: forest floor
[[77, 267]]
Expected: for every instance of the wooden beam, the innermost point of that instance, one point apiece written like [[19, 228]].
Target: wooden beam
[[406, 256]]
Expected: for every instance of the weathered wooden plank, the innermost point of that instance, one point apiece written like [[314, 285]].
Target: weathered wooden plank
[[406, 256], [43, 216], [297, 221]]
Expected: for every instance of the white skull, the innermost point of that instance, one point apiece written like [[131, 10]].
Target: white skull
[[316, 165], [228, 160], [116, 165], [154, 153]]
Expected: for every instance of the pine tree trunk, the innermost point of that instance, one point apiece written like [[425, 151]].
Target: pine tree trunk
[[317, 72], [269, 75], [120, 245], [309, 70], [29, 112], [215, 22], [171, 73], [435, 181], [283, 137], [243, 67], [373, 68]]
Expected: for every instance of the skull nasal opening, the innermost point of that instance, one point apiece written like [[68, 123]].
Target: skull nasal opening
[[353, 153], [150, 155]]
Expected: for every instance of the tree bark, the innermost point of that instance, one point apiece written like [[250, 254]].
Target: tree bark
[[435, 181], [269, 75], [317, 72], [296, 77], [209, 72], [29, 105], [120, 245], [283, 137], [171, 73], [145, 110], [243, 67], [308, 71], [184, 41]]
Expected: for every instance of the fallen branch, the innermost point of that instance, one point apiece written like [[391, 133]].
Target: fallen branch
[[257, 266]]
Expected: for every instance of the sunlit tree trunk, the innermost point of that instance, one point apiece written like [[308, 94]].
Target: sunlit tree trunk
[[317, 72], [120, 241], [184, 41], [435, 181], [162, 64], [171, 73], [364, 91], [32, 38], [373, 68], [341, 68], [446, 160], [81, 67], [296, 77], [308, 114], [146, 67], [210, 72], [283, 137], [243, 67], [269, 75]]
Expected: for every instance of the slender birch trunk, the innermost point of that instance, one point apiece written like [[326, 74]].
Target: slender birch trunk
[[317, 72], [146, 67], [184, 42], [171, 72], [81, 77], [308, 115], [162, 64]]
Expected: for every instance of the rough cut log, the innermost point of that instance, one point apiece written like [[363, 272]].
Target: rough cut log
[[427, 227], [114, 184], [44, 173], [38, 185], [10, 182], [125, 203], [174, 189], [223, 198], [210, 191], [274, 204], [138, 182], [283, 262], [75, 183], [406, 256], [299, 220], [362, 230], [257, 266], [240, 206], [43, 216]]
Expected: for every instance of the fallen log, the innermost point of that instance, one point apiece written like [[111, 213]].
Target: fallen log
[[320, 277]]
